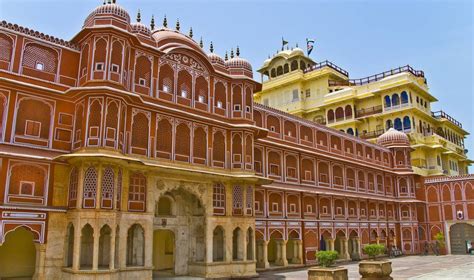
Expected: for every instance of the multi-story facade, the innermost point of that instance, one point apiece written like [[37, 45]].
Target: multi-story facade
[[129, 151], [367, 107]]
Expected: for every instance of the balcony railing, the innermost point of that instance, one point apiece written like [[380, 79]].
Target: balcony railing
[[368, 111], [329, 64], [443, 115], [378, 77], [371, 134]]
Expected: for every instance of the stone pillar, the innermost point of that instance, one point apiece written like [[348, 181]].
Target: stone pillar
[[80, 187], [112, 250], [346, 249], [76, 257], [395, 242], [228, 243], [40, 260], [209, 243], [98, 193], [95, 254], [123, 246], [331, 244], [297, 252], [281, 253], [378, 240], [262, 256]]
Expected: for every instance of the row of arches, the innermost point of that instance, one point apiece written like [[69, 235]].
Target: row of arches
[[279, 70], [340, 114], [242, 244], [107, 256], [400, 124], [396, 99]]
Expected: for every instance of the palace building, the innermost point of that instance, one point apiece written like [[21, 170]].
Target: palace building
[[398, 98], [130, 152]]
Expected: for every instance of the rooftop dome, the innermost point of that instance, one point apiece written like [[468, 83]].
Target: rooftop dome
[[139, 27], [297, 51], [393, 138], [108, 9], [215, 58], [237, 62]]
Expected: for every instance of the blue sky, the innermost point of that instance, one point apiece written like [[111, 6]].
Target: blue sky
[[363, 37]]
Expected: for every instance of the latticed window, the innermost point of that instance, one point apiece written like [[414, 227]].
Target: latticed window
[[218, 197], [119, 189], [237, 201], [249, 198], [107, 188], [73, 177], [35, 53], [136, 195], [90, 187]]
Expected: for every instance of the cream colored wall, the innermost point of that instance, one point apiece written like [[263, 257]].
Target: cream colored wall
[[162, 240], [17, 249]]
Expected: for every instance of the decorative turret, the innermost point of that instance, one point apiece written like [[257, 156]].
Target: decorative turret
[[201, 44], [178, 27], [152, 23], [215, 58], [165, 22], [399, 143], [190, 32], [140, 28], [238, 65]]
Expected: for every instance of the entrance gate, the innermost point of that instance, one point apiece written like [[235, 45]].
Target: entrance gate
[[458, 235]]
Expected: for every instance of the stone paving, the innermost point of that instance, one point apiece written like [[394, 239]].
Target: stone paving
[[411, 267], [452, 267]]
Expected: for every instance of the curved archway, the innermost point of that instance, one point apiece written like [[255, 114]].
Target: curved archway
[[18, 254]]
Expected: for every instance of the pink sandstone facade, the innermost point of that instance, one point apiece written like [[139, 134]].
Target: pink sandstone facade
[[129, 151]]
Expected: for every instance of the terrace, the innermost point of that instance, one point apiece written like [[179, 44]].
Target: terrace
[[442, 115], [378, 77], [326, 63]]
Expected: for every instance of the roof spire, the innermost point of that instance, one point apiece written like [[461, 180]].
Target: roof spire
[[237, 51], [139, 16], [296, 44], [191, 32], [103, 3], [211, 47], [177, 25], [226, 56], [232, 53], [201, 44], [152, 23], [113, 1], [165, 22]]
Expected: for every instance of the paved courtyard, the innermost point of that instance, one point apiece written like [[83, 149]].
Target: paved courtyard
[[412, 267]]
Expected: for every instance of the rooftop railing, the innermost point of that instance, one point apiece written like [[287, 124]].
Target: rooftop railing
[[443, 115], [378, 77], [368, 111], [371, 134], [329, 64]]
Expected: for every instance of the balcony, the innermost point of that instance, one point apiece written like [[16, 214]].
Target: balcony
[[329, 64], [368, 111], [371, 134], [378, 77], [442, 115]]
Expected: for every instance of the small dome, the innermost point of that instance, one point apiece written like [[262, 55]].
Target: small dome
[[138, 27], [297, 51], [109, 9], [238, 63], [166, 34], [393, 138], [216, 59]]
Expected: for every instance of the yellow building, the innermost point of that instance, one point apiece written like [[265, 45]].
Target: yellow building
[[367, 107]]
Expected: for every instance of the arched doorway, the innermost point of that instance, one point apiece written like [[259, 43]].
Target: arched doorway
[[18, 254], [353, 246], [459, 235], [163, 251]]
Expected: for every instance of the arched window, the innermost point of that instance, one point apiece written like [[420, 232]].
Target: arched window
[[406, 123], [90, 188], [143, 73], [84, 60], [237, 149], [348, 112], [69, 245], [116, 61], [273, 73], [339, 113], [104, 247], [6, 51], [33, 120], [136, 246], [107, 192], [73, 182], [273, 123], [237, 101], [294, 65], [398, 124], [237, 240], [164, 206], [184, 84], [388, 124], [250, 244], [218, 149], [218, 249], [40, 61], [302, 65], [87, 247], [201, 93], [404, 97], [182, 142], [140, 132], [330, 115], [395, 99], [166, 79], [248, 100], [111, 123], [220, 104], [279, 70], [388, 101], [350, 131], [164, 138], [200, 146]]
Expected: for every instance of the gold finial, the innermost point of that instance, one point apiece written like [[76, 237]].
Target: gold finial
[[191, 32], [165, 22], [211, 47], [177, 25], [201, 44]]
